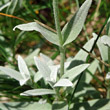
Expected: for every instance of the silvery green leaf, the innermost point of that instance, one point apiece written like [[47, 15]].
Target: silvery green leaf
[[12, 73], [72, 29], [34, 26], [82, 55], [53, 75], [72, 73], [63, 83], [102, 48], [38, 92], [87, 77], [46, 59], [23, 70], [108, 76], [37, 77], [43, 68], [105, 40], [29, 59]]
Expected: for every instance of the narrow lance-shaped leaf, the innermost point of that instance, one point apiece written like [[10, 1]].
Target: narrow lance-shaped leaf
[[12, 73], [23, 70], [63, 83], [72, 29], [43, 68], [53, 75], [34, 26], [72, 73], [38, 92], [102, 48]]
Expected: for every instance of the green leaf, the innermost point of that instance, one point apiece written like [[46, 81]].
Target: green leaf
[[4, 6], [88, 75], [38, 92], [25, 106], [86, 90], [72, 29], [108, 27], [34, 26], [12, 6], [74, 72], [60, 105], [63, 83], [29, 59]]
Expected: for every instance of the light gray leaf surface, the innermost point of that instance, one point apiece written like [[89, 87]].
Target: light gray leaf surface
[[87, 76], [74, 72], [23, 70], [105, 40], [38, 92], [34, 26], [11, 72], [102, 48], [43, 68], [29, 59], [63, 83], [72, 29]]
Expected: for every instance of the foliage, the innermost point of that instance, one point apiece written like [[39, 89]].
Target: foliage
[[64, 86]]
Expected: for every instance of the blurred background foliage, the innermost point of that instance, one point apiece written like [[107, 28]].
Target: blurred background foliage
[[12, 43]]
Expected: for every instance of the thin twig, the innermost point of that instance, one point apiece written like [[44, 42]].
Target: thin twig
[[11, 16], [93, 56], [99, 35]]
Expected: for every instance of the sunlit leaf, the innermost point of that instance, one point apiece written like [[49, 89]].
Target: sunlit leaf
[[34, 26], [38, 92], [29, 59], [72, 29], [63, 83], [102, 48], [12, 73], [72, 73], [43, 68], [23, 70]]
